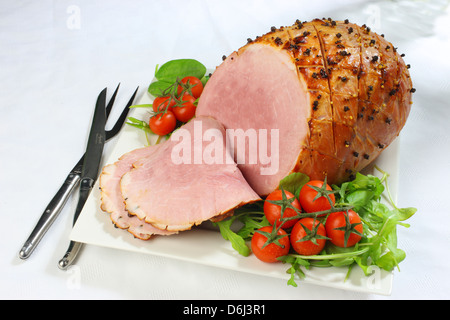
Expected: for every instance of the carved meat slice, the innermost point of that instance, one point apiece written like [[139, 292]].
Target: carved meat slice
[[112, 200], [186, 180]]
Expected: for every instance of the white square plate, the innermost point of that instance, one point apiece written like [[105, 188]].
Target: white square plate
[[206, 246]]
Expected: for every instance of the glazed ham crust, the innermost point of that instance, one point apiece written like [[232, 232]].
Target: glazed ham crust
[[367, 91], [358, 96]]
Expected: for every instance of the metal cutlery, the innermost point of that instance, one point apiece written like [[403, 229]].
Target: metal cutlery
[[72, 180], [89, 172]]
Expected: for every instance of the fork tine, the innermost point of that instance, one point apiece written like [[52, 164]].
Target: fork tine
[[111, 102], [118, 125]]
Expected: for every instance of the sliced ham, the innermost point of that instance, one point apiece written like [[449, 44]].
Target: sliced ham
[[112, 200], [337, 93], [186, 180]]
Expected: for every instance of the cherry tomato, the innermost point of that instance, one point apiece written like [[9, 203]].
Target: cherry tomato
[[160, 104], [194, 84], [272, 251], [273, 211], [307, 195], [186, 111], [162, 124], [302, 240], [351, 228]]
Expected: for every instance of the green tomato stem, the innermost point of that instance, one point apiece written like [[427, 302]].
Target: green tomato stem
[[331, 256]]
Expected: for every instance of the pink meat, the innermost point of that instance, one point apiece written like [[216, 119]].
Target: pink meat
[[112, 200], [175, 196], [253, 91]]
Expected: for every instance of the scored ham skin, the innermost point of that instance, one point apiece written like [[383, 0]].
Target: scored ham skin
[[112, 200], [352, 87], [174, 197]]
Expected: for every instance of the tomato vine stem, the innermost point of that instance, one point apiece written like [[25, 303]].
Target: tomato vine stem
[[331, 256]]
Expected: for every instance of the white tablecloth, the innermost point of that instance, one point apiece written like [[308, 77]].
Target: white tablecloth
[[56, 56]]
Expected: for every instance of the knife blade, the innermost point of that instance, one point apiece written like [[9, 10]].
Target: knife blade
[[89, 172]]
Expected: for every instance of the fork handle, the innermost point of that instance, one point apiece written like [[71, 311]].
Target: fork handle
[[71, 254], [50, 214]]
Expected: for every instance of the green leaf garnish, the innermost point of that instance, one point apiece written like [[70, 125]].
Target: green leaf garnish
[[378, 245]]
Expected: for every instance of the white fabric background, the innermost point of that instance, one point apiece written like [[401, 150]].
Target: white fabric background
[[56, 56]]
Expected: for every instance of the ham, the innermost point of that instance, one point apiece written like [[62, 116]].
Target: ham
[[336, 93], [324, 98], [112, 200], [185, 180]]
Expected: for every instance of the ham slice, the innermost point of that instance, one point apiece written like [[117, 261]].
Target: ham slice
[[186, 180], [336, 93], [112, 200]]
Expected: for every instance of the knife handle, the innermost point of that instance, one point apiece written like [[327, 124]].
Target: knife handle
[[49, 216]]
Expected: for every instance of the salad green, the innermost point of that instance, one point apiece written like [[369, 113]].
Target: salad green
[[172, 70], [364, 195]]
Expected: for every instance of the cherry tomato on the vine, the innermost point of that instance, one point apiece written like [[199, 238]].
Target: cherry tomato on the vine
[[307, 195], [311, 241], [273, 211], [160, 103], [272, 251], [194, 84], [163, 123], [344, 230], [186, 111]]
